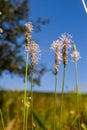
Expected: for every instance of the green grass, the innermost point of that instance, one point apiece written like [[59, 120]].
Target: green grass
[[11, 105]]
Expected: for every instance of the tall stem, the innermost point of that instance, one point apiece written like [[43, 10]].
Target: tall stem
[[61, 105], [77, 98], [2, 120], [27, 109], [25, 87], [55, 95], [32, 93]]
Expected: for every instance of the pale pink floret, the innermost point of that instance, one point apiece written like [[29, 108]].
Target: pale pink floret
[[66, 39], [35, 52], [56, 47], [56, 44]]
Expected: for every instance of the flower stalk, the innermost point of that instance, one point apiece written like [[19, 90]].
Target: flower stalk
[[2, 120], [56, 47], [27, 110], [27, 46], [62, 95], [55, 99], [76, 56], [65, 40], [31, 89], [34, 52], [77, 97], [25, 87]]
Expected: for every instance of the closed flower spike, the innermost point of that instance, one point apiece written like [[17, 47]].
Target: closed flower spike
[[75, 54], [29, 28]]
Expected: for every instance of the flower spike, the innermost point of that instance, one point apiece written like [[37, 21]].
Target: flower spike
[[75, 54], [56, 47]]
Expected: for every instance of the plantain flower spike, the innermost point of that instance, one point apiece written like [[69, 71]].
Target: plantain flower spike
[[66, 41], [34, 52], [29, 29], [75, 54], [56, 47]]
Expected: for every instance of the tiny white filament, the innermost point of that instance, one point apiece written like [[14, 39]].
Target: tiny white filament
[[84, 4]]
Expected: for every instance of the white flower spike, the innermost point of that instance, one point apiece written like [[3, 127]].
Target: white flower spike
[[75, 54]]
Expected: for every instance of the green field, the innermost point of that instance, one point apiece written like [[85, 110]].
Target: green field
[[11, 104]]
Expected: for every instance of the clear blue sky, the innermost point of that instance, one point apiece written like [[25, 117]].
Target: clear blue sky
[[65, 16]]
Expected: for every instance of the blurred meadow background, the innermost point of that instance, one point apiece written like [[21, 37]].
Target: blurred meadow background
[[50, 19]]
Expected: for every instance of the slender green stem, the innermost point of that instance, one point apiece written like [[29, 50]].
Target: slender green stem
[[38, 119], [77, 96], [2, 120], [61, 105], [55, 95], [25, 87], [32, 93], [27, 109]]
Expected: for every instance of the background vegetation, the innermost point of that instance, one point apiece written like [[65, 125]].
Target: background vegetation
[[13, 17], [11, 104]]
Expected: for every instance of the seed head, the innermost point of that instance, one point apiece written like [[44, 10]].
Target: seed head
[[29, 28], [75, 54], [56, 47]]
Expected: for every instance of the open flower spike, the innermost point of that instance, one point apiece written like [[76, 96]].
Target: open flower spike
[[66, 40], [34, 52], [56, 47], [76, 56]]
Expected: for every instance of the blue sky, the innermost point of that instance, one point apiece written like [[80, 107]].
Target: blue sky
[[65, 16]]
